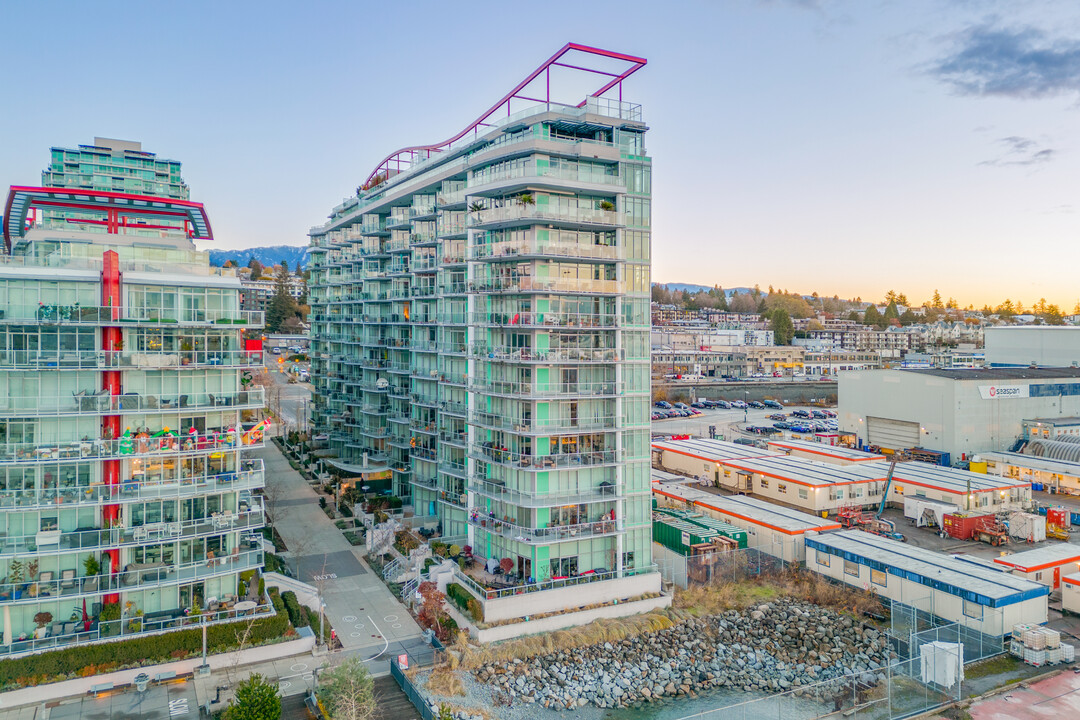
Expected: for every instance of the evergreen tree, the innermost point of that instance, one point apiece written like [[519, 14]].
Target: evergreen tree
[[873, 317], [347, 691], [782, 327], [282, 306], [256, 268], [891, 313], [255, 699]]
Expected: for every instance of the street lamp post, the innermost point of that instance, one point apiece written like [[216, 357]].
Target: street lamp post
[[746, 406]]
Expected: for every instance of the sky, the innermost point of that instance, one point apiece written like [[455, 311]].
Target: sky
[[845, 147]]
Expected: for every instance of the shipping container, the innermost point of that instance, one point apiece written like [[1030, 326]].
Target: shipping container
[[726, 529], [1026, 526], [679, 535], [1058, 517], [961, 525]]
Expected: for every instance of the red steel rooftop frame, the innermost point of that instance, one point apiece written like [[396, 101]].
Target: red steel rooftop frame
[[398, 161]]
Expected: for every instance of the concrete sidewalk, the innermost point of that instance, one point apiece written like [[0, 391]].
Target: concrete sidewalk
[[368, 619]]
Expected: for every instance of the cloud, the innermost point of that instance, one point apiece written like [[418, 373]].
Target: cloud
[[1021, 151], [1020, 63]]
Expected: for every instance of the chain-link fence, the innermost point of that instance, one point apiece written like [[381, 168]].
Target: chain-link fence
[[901, 690], [911, 626], [723, 566]]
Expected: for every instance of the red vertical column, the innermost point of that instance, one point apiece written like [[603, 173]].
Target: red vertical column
[[111, 338]]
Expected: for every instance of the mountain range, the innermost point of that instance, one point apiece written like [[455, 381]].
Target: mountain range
[[296, 256], [690, 287]]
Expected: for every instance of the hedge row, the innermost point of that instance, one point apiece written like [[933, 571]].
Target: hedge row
[[149, 650], [292, 607]]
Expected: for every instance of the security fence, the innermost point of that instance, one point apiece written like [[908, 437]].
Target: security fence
[[722, 566]]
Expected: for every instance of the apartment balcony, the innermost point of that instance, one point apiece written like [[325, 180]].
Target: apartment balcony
[[510, 179], [51, 315], [424, 482], [422, 212], [163, 446], [423, 453], [497, 490], [133, 490], [453, 469], [542, 390], [123, 359], [543, 536], [529, 284], [453, 318], [54, 541], [374, 228], [459, 438], [504, 353], [401, 222], [459, 409], [424, 400], [423, 428], [422, 239], [449, 200], [453, 288], [561, 461], [104, 404], [516, 214], [565, 320], [133, 577], [548, 426]]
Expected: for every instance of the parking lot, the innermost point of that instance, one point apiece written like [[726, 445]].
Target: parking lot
[[730, 423]]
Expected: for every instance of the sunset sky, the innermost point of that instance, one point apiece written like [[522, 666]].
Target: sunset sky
[[839, 146]]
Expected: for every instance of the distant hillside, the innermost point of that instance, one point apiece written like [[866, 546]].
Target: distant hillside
[[690, 287], [297, 257]]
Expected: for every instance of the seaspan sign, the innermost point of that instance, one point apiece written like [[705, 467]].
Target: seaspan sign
[[1003, 392]]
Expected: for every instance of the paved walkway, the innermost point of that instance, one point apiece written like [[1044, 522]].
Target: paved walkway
[[368, 619]]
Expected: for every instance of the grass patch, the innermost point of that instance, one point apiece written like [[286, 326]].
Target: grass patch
[[994, 666], [445, 682], [599, 632], [797, 584]]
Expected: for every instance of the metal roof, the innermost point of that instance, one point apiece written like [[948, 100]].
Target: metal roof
[[1044, 557], [712, 450], [833, 451], [809, 472], [998, 373], [949, 479], [941, 572], [752, 510]]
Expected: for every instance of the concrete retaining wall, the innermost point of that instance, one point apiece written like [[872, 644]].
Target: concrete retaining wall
[[571, 596], [572, 619]]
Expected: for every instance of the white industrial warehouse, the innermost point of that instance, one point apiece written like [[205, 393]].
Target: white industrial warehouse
[[955, 411], [773, 529], [699, 457], [951, 588], [1027, 345], [1058, 476]]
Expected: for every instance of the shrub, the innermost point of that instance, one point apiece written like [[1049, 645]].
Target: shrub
[[395, 502], [241, 589], [346, 511], [148, 650], [476, 610], [255, 699], [274, 564], [439, 548], [455, 551], [354, 538], [292, 607], [340, 524], [322, 503]]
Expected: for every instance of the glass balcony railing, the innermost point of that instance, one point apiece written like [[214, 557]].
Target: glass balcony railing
[[497, 490], [545, 213], [561, 533], [562, 461], [502, 421], [136, 446], [103, 404], [538, 284], [134, 490], [105, 315], [546, 319], [135, 576], [577, 355], [124, 359], [592, 174], [537, 388], [47, 541]]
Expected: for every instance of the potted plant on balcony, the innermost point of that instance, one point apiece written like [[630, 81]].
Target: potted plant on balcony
[[526, 199], [15, 577], [476, 206], [605, 205], [42, 619]]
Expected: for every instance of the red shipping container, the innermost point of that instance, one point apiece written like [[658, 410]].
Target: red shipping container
[[961, 525], [1058, 517]]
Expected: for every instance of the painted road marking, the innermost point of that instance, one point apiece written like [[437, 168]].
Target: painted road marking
[[349, 618], [328, 576], [386, 643], [178, 707], [298, 667], [390, 618]]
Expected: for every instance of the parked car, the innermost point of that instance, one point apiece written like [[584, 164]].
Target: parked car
[[757, 405], [781, 425], [743, 441], [801, 414], [681, 406], [773, 404], [663, 404], [738, 404], [698, 404], [829, 413], [723, 404], [817, 414], [778, 416]]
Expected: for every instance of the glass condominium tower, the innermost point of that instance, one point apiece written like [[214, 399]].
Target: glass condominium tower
[[127, 500], [480, 334]]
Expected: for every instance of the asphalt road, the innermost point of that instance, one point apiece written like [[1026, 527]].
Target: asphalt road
[[290, 400]]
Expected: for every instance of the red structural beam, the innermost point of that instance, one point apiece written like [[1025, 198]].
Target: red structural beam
[[409, 154]]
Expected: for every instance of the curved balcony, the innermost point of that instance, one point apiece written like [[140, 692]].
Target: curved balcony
[[543, 536], [104, 404], [55, 541], [529, 284], [134, 490]]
